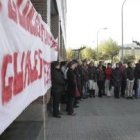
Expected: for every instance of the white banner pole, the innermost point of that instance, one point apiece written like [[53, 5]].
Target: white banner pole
[[44, 117]]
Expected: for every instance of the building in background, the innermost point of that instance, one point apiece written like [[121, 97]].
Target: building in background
[[131, 49]]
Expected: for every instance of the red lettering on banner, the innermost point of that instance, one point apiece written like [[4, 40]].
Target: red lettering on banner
[[24, 73], [19, 2], [46, 37], [32, 29], [31, 13], [27, 24], [22, 20], [18, 76], [22, 61], [28, 20], [26, 8], [6, 89], [25, 19], [41, 64], [37, 25], [12, 10], [47, 76], [34, 72], [42, 32], [0, 6], [27, 69]]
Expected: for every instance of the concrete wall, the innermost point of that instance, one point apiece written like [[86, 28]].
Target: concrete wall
[[55, 25], [41, 7]]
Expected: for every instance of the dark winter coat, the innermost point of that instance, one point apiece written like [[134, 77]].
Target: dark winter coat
[[100, 75], [123, 73], [78, 78], [137, 71], [130, 73], [58, 82], [85, 73], [116, 76], [92, 73], [71, 81]]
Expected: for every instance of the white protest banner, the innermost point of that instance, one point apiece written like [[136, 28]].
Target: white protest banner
[[26, 50]]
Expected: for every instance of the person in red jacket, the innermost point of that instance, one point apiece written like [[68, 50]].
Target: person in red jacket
[[108, 76]]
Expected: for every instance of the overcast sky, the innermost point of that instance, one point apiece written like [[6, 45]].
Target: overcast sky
[[86, 17]]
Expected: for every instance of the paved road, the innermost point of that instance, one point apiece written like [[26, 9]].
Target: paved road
[[98, 119]]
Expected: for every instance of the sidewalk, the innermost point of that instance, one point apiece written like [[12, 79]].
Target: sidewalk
[[96, 119]]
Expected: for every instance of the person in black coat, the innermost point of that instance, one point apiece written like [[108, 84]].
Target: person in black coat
[[137, 78], [92, 76], [57, 89], [101, 63], [130, 80], [100, 80], [78, 84], [71, 88], [122, 68], [117, 77], [85, 79]]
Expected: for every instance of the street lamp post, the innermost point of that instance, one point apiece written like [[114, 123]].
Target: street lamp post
[[122, 30], [98, 36]]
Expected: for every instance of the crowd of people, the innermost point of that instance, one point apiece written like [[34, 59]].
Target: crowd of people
[[73, 81]]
